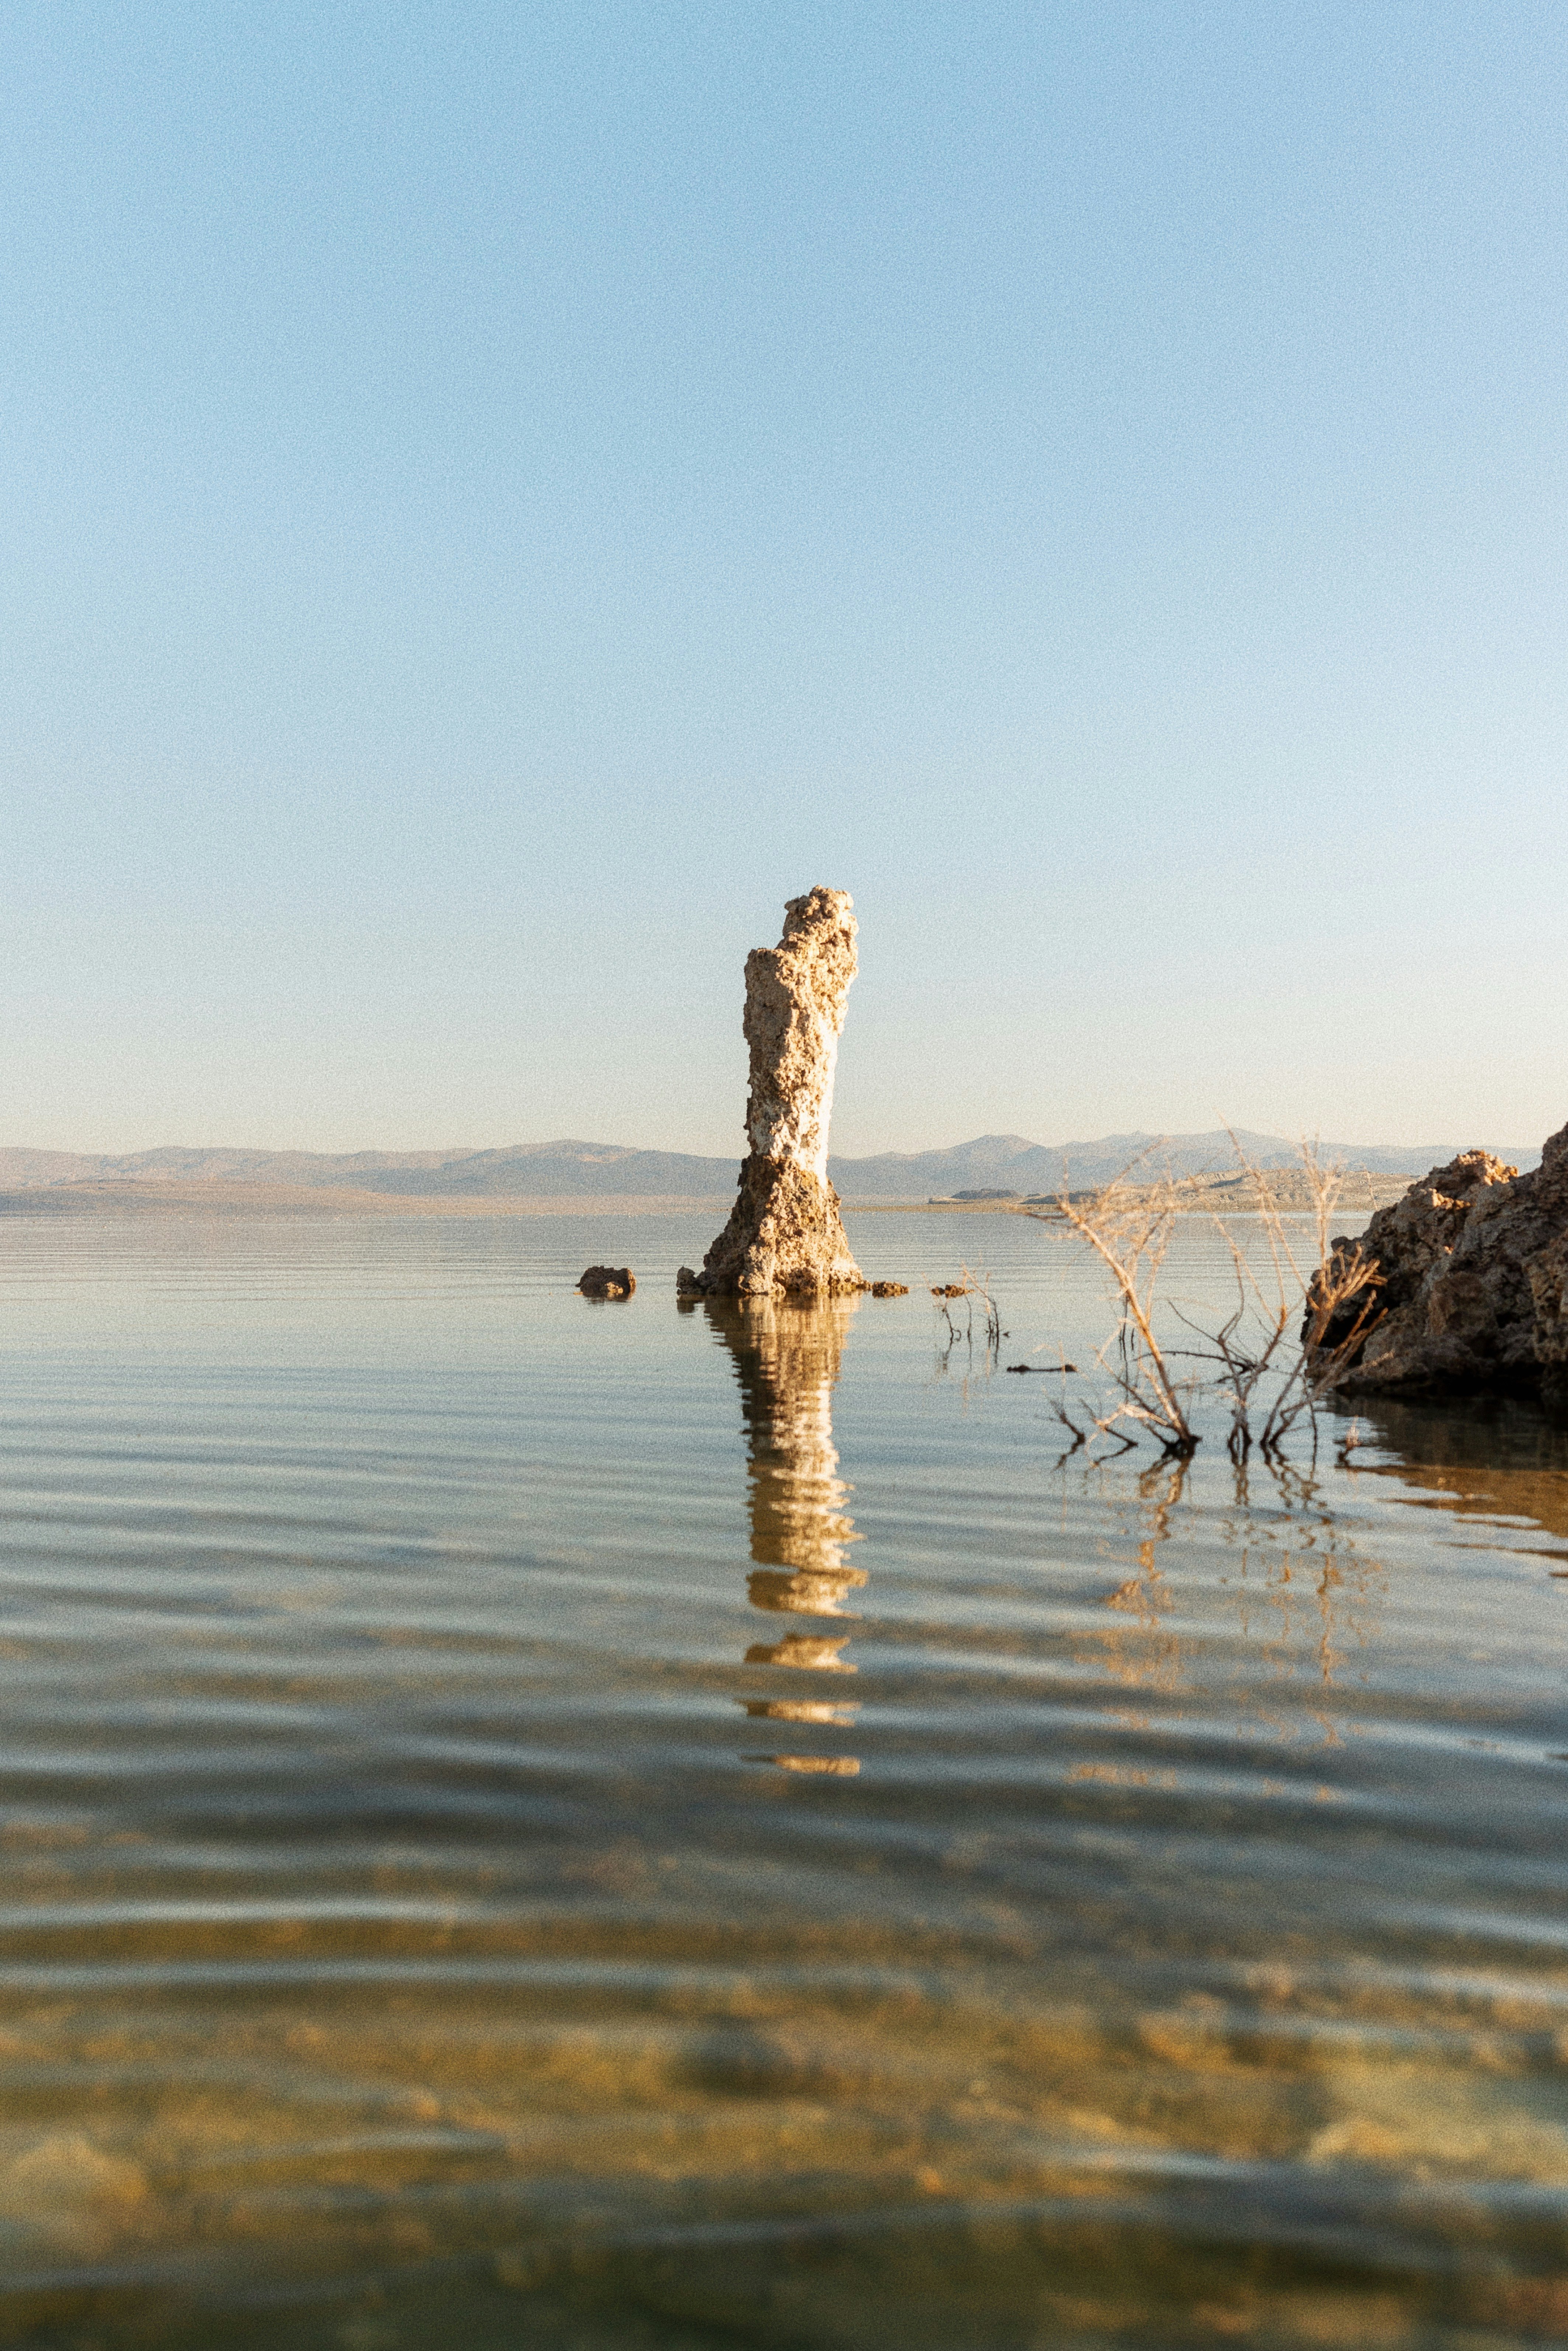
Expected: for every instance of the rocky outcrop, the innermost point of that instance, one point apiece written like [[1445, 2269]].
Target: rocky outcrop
[[785, 1232], [607, 1281], [1472, 1269]]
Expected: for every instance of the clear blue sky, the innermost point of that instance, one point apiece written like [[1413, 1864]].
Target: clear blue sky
[[497, 498]]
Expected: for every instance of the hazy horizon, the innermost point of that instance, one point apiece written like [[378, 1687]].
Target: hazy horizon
[[620, 1144]]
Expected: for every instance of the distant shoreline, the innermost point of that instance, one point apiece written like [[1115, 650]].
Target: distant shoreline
[[519, 1177], [218, 1196], [1194, 1195]]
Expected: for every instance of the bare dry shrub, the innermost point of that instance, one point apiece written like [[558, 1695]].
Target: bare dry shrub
[[1128, 1226], [1267, 1384], [1261, 1378]]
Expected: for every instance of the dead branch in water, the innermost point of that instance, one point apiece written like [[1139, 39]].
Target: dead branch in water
[[1265, 1387], [1128, 1227], [1271, 1310], [970, 1287]]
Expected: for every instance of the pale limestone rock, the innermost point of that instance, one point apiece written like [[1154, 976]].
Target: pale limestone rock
[[1472, 1268], [784, 1232]]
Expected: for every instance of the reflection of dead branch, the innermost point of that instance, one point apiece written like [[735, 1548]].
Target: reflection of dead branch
[[1348, 1444], [968, 1288], [1128, 1227], [1320, 1596], [1142, 1649], [1080, 1435]]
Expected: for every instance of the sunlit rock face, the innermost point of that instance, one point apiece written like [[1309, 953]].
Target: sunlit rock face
[[1472, 1268], [784, 1232]]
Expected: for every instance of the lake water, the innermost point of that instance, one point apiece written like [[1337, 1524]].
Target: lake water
[[536, 1822]]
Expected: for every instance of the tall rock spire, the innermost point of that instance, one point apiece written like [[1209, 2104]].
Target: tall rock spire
[[784, 1231]]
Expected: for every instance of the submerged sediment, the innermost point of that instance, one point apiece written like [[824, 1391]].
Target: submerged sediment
[[1470, 1272], [785, 1232]]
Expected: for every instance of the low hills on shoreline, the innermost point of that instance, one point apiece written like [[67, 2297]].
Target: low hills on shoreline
[[540, 1178]]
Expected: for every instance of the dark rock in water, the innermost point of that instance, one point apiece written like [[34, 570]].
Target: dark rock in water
[[607, 1281], [1471, 1268], [784, 1232], [890, 1290]]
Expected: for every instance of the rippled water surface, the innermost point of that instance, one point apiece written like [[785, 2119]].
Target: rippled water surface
[[538, 1822]]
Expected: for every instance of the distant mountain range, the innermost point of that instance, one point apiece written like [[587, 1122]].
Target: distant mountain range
[[557, 1170], [1010, 1162]]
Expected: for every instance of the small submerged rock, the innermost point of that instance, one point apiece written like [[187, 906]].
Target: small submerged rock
[[607, 1281], [890, 1290], [69, 2193]]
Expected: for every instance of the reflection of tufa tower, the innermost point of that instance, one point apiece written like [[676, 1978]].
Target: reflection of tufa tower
[[787, 1361]]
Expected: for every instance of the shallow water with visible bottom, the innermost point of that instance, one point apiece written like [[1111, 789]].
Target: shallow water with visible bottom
[[530, 1820]]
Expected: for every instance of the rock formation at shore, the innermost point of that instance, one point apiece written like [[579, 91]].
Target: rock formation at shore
[[1471, 1275], [784, 1232]]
